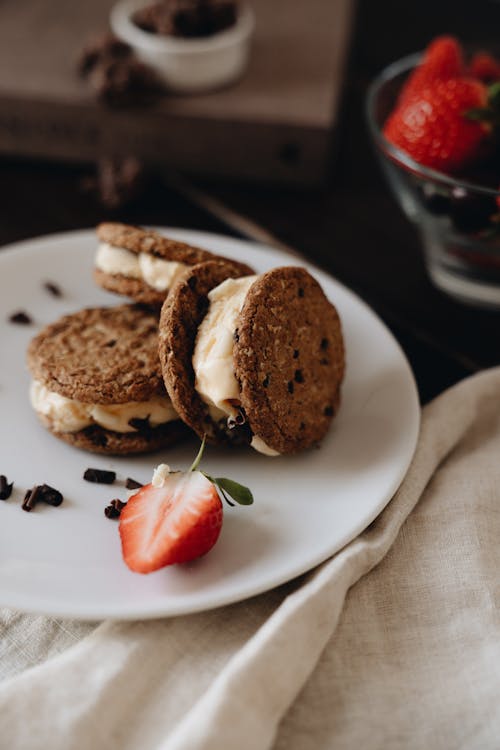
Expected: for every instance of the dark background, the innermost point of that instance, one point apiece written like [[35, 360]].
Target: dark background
[[352, 227]]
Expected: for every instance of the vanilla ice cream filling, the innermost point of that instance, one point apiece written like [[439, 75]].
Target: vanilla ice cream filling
[[70, 415], [155, 272], [215, 380]]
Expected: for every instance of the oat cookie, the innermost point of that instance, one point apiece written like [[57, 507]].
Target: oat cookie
[[97, 381], [287, 358], [140, 263]]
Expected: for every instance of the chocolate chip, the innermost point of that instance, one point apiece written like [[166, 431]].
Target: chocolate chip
[[141, 425], [298, 377], [290, 386], [238, 420], [110, 344], [191, 18], [132, 484], [5, 487], [117, 182], [324, 344], [202, 305], [328, 411], [96, 436], [301, 292], [41, 492], [192, 282], [302, 426], [52, 289], [31, 498], [99, 49], [21, 317], [265, 382], [99, 476], [50, 495], [295, 353], [114, 509]]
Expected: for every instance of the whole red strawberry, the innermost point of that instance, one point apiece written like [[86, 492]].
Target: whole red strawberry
[[441, 60], [431, 125]]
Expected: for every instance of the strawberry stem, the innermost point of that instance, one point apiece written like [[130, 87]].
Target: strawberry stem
[[199, 455]]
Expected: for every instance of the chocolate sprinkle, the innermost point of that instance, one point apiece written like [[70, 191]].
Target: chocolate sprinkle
[[5, 487], [132, 484], [52, 289], [114, 509], [299, 378], [50, 495], [31, 498], [21, 317], [41, 492], [99, 476]]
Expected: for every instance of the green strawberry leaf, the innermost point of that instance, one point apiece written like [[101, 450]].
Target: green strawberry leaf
[[481, 114], [494, 95], [237, 491]]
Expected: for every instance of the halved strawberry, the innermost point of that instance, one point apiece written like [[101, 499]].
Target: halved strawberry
[[174, 523], [441, 60]]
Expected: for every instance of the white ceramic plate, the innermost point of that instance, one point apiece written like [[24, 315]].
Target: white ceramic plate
[[66, 561]]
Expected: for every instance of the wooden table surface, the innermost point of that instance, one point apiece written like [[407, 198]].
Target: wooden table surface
[[352, 227]]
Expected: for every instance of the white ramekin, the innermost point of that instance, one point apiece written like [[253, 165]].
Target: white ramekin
[[187, 65]]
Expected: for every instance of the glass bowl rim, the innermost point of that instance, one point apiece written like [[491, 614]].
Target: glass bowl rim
[[390, 72]]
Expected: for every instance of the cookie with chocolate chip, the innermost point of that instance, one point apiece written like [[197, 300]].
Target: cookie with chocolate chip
[[97, 382], [143, 264], [277, 383]]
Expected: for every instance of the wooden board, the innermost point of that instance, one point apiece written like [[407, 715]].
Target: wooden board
[[275, 124]]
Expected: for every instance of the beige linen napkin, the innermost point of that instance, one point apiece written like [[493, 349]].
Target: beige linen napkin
[[406, 657]]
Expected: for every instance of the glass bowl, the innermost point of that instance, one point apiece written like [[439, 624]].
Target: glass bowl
[[458, 219]]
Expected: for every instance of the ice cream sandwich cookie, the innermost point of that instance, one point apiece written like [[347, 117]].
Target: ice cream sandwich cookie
[[142, 264], [97, 382], [256, 359]]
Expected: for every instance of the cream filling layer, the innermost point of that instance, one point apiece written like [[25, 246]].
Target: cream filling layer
[[215, 380], [70, 415], [157, 273]]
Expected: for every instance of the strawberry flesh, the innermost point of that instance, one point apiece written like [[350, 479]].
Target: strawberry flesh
[[175, 523]]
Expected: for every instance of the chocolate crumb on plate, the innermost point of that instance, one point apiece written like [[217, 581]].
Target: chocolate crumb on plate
[[114, 509], [50, 495], [21, 317], [52, 288], [5, 487], [41, 493], [31, 498], [99, 476], [132, 484]]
